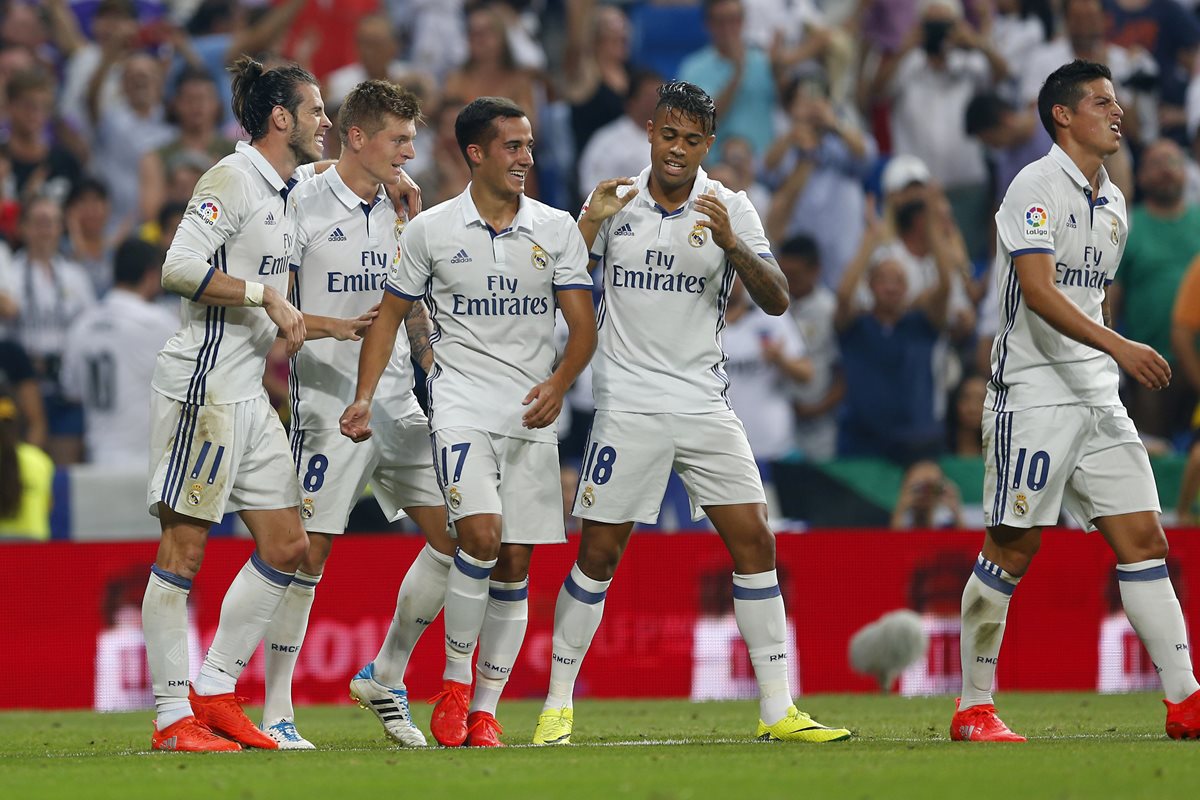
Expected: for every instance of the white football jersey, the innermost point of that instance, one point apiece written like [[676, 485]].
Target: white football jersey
[[343, 250], [1049, 208], [491, 298], [108, 368], [240, 222], [666, 285]]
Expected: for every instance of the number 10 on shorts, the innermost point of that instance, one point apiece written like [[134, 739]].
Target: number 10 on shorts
[[1039, 470]]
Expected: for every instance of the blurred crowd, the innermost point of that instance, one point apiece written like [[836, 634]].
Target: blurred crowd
[[875, 138]]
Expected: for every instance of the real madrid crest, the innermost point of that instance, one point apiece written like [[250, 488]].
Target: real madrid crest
[[699, 236], [589, 497], [194, 494], [1020, 506], [306, 509], [539, 258], [400, 223], [454, 496], [1116, 233]]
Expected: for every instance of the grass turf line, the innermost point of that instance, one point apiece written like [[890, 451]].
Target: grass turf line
[[1082, 745]]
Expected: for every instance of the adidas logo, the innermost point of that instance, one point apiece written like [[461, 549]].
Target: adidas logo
[[169, 744], [1071, 221], [337, 235], [460, 257], [270, 218], [624, 230]]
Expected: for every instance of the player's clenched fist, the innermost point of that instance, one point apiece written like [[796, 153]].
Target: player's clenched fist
[[355, 422]]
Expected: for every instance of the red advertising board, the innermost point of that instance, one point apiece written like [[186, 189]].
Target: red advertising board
[[70, 614]]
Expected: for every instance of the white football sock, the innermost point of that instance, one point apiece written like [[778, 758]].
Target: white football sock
[[984, 611], [246, 612], [165, 628], [466, 604], [500, 641], [758, 608], [1154, 612], [422, 595], [577, 616], [281, 646]]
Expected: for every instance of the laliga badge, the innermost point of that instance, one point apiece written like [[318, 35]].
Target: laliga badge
[[194, 494], [699, 236], [539, 258], [1020, 506], [1116, 233], [455, 497], [589, 497], [306, 509]]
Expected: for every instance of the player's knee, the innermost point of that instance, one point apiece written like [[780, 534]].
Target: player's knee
[[287, 554], [754, 552], [187, 561], [599, 560]]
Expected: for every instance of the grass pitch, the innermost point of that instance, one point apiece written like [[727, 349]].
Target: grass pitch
[[1081, 746]]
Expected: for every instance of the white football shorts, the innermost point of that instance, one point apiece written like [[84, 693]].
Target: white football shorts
[[629, 457], [333, 471], [206, 460], [1085, 460], [487, 473]]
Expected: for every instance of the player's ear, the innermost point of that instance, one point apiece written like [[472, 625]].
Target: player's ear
[[475, 154], [650, 130], [355, 138], [281, 118], [1061, 115]]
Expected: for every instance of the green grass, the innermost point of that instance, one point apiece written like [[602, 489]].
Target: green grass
[[1082, 746]]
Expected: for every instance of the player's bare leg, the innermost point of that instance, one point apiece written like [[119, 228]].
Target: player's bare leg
[[500, 641], [1153, 610], [466, 605], [1006, 555]]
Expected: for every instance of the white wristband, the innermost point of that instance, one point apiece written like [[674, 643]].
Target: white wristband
[[254, 295]]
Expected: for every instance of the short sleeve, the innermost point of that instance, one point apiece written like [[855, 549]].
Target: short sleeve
[[601, 242], [571, 266], [747, 225], [412, 266], [1026, 219]]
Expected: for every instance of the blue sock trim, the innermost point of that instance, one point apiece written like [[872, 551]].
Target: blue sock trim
[[269, 572], [1158, 573], [471, 570], [581, 594], [511, 595], [171, 578], [746, 593], [302, 582], [992, 580]]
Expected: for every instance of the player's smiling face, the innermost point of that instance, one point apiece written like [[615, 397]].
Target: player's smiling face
[[392, 146], [1096, 118], [507, 158], [307, 139], [678, 143]]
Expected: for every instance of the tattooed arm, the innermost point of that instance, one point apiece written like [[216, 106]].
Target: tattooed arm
[[762, 277], [1106, 311], [419, 326]]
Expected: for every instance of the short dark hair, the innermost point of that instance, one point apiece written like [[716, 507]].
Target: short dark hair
[[29, 80], [257, 90], [476, 123], [691, 101], [85, 187], [369, 102], [803, 247], [908, 214], [193, 74], [133, 259], [985, 112], [173, 209], [1064, 87], [639, 77]]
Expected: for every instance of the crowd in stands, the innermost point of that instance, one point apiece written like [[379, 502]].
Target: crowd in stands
[[875, 138]]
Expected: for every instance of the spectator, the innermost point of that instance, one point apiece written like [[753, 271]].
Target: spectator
[[39, 165], [966, 430], [887, 356], [1164, 236], [737, 76], [53, 292], [928, 500], [619, 148], [435, 32], [1185, 340], [1014, 138], [490, 69], [1015, 29], [764, 356], [813, 306], [378, 59], [109, 367], [114, 21], [817, 168], [736, 171], [196, 113], [596, 68], [26, 475], [19, 378], [87, 242]]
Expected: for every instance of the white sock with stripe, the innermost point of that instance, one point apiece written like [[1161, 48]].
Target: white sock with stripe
[[1154, 612], [164, 626], [246, 611], [466, 604], [762, 620], [422, 595], [281, 646], [500, 641], [984, 611], [577, 616]]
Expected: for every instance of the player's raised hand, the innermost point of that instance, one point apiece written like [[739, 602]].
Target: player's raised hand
[[545, 402], [353, 329], [287, 317], [355, 422], [605, 202], [718, 220], [1143, 363]]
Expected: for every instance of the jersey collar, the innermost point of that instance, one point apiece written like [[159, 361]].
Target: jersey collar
[[1060, 157], [262, 165], [643, 186], [345, 194], [522, 221]]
